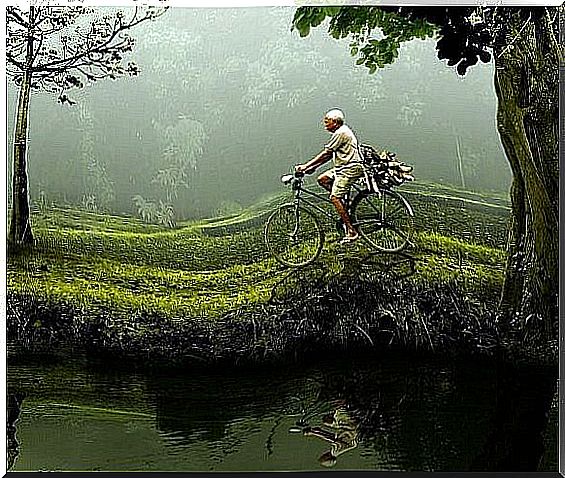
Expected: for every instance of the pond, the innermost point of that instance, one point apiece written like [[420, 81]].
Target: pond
[[380, 413]]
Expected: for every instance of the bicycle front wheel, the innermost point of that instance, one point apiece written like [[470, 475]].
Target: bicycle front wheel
[[385, 221], [294, 236]]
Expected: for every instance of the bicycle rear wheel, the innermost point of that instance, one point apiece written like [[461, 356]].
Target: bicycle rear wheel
[[294, 236], [385, 221]]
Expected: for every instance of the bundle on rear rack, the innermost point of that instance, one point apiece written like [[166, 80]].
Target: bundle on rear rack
[[383, 170]]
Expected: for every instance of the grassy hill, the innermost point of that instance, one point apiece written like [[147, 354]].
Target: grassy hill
[[122, 271]]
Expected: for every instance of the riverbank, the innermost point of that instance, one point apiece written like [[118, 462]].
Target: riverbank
[[208, 292]]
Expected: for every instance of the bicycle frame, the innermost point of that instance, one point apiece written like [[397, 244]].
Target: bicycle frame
[[282, 243], [298, 190]]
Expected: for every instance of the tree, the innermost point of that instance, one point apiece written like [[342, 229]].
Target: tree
[[523, 44], [182, 145], [98, 190], [55, 49]]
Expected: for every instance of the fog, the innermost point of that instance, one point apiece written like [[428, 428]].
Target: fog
[[230, 99]]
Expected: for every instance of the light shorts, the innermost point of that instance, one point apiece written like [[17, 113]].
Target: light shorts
[[343, 178]]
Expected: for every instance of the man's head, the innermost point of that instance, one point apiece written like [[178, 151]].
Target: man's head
[[328, 419], [333, 120], [327, 459]]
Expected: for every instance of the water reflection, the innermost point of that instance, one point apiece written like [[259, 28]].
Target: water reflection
[[381, 413], [14, 403], [338, 428]]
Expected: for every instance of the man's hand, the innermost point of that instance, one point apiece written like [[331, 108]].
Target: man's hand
[[301, 168]]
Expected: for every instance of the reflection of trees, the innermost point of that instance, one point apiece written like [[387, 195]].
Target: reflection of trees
[[206, 408], [515, 440], [14, 404], [433, 417]]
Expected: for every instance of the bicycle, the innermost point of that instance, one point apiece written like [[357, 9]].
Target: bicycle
[[294, 235]]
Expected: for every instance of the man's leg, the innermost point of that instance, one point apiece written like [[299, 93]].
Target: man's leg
[[340, 188], [326, 180], [339, 205]]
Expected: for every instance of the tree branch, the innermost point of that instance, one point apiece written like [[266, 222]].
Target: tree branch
[[89, 74], [105, 47], [12, 73], [38, 48], [16, 17], [10, 59]]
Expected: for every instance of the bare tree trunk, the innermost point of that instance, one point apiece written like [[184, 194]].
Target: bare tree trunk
[[526, 82], [460, 160], [20, 227]]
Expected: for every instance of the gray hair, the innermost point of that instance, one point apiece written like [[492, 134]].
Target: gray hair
[[336, 115]]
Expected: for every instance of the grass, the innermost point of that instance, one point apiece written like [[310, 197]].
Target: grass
[[209, 268]]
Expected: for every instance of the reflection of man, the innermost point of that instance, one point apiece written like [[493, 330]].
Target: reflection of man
[[340, 430]]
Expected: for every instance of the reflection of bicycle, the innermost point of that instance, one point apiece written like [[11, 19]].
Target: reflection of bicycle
[[338, 428], [293, 233]]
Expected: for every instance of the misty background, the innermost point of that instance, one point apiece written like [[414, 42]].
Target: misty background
[[230, 99]]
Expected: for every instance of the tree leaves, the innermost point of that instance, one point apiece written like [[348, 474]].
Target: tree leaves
[[464, 34], [361, 22], [307, 17], [74, 81], [65, 99]]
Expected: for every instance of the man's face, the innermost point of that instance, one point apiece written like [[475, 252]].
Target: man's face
[[330, 124]]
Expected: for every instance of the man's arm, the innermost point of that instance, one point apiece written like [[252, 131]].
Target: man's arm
[[315, 163]]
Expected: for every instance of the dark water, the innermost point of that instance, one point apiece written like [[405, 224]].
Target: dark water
[[382, 414]]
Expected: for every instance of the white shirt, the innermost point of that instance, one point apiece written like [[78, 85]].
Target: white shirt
[[343, 145]]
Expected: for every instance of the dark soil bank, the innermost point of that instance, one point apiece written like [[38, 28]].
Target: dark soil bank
[[349, 312]]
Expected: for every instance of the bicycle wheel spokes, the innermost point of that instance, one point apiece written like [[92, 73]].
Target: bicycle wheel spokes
[[294, 236], [397, 227], [384, 221]]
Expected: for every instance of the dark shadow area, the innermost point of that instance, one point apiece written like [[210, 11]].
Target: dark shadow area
[[368, 266], [516, 438], [298, 283], [387, 266]]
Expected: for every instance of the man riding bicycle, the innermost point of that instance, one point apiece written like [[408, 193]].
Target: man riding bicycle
[[348, 168]]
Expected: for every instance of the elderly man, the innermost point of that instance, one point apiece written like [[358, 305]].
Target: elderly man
[[342, 148]]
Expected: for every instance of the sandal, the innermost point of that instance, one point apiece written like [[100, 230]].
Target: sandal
[[349, 239]]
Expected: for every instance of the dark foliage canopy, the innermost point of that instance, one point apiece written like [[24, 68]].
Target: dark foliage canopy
[[464, 34]]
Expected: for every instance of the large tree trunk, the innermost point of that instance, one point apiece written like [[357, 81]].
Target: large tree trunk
[[526, 82], [20, 227]]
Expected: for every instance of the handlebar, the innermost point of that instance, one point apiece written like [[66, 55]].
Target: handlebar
[[295, 176]]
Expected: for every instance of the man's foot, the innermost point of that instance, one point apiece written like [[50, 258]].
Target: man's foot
[[349, 238]]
